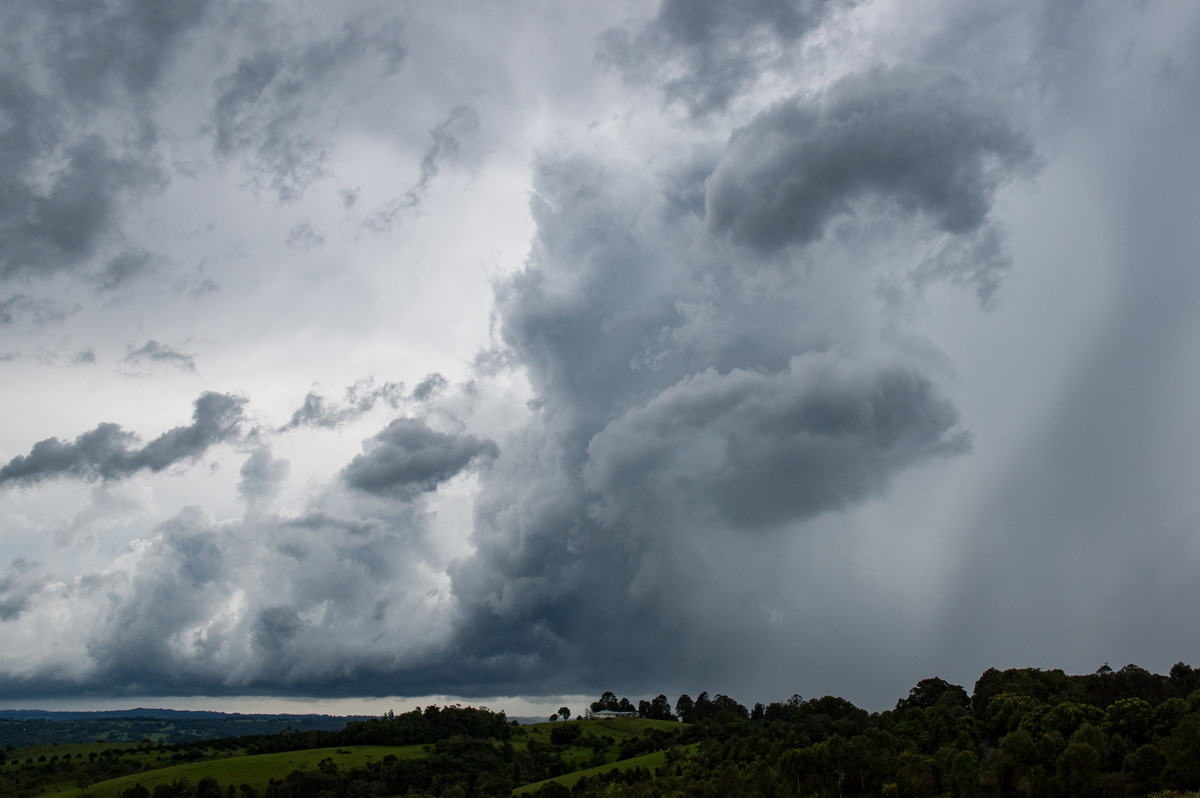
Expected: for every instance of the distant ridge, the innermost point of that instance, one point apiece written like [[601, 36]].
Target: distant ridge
[[25, 727], [144, 712]]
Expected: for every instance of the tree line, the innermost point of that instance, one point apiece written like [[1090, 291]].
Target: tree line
[[1020, 733]]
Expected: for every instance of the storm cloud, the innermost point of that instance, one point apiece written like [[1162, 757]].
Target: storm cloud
[[915, 137]]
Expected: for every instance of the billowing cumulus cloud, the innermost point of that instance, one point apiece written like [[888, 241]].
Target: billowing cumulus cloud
[[110, 452], [918, 138]]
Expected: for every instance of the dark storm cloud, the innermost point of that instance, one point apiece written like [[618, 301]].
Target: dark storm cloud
[[45, 230], [766, 449], [679, 405], [66, 184], [265, 108], [360, 398], [408, 458], [918, 138], [156, 352], [109, 452], [703, 53]]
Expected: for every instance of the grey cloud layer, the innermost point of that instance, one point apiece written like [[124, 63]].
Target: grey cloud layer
[[724, 425], [108, 451]]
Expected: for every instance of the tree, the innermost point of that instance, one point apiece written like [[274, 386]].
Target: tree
[[928, 692], [684, 708], [564, 713], [660, 708], [608, 701]]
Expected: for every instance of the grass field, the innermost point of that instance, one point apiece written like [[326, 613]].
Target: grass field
[[598, 739], [650, 761], [253, 770]]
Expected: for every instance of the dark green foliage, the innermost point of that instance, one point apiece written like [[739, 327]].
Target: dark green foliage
[[929, 692], [1024, 733], [565, 734]]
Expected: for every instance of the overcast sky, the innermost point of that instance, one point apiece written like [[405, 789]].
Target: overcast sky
[[538, 349]]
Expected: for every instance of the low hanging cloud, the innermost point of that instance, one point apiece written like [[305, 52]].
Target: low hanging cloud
[[768, 449], [259, 606], [408, 458], [109, 452]]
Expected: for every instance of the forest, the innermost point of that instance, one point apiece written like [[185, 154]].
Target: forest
[[1021, 732]]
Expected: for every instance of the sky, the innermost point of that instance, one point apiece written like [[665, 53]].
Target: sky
[[510, 353]]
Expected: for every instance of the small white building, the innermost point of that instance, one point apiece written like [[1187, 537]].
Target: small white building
[[612, 713]]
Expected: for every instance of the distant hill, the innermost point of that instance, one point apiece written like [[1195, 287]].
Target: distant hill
[[144, 712], [25, 727]]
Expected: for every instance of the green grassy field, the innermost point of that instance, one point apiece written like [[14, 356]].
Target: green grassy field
[[598, 740], [253, 770], [651, 762], [618, 729], [72, 750]]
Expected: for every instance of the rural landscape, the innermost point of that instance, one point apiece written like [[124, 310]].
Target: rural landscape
[[1022, 732]]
